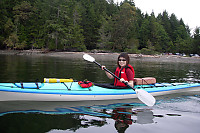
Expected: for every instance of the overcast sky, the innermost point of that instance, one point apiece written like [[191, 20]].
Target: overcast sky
[[188, 10]]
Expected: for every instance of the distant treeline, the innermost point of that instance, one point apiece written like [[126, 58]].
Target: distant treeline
[[79, 25]]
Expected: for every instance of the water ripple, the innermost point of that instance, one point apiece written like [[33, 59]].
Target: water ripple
[[183, 104]]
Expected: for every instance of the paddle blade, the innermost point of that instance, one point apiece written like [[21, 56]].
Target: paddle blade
[[145, 97], [88, 58]]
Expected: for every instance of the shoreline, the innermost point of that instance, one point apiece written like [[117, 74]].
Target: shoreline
[[110, 56]]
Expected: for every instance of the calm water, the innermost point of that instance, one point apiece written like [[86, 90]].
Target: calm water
[[178, 113]]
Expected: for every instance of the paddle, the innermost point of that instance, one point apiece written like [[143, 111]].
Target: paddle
[[142, 95]]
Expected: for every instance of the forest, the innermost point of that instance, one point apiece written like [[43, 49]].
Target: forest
[[81, 25]]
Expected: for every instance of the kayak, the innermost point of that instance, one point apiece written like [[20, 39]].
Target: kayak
[[72, 91]]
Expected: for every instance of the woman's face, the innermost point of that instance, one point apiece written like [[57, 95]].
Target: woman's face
[[122, 61]]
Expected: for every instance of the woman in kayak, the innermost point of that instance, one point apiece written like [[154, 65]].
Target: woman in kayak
[[124, 71]]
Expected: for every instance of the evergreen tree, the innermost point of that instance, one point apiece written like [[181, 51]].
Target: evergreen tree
[[121, 26], [90, 23], [196, 41], [159, 36], [144, 33]]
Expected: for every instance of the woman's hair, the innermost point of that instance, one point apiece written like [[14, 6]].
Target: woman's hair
[[124, 55]]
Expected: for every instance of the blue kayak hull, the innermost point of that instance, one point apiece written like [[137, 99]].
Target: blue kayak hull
[[71, 91]]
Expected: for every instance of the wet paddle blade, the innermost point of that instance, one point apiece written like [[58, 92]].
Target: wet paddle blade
[[145, 97], [88, 58]]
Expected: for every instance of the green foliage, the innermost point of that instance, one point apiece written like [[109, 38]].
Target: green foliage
[[196, 41], [12, 40], [79, 25], [121, 25], [146, 51]]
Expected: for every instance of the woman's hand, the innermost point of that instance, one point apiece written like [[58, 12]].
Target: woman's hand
[[108, 74], [130, 83], [103, 67], [123, 80]]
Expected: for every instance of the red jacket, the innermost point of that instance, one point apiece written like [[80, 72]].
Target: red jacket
[[121, 73]]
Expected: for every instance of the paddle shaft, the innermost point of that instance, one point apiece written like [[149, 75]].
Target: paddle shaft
[[143, 95], [113, 75]]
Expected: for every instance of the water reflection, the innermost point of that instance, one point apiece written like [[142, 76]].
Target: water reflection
[[70, 116], [74, 118]]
